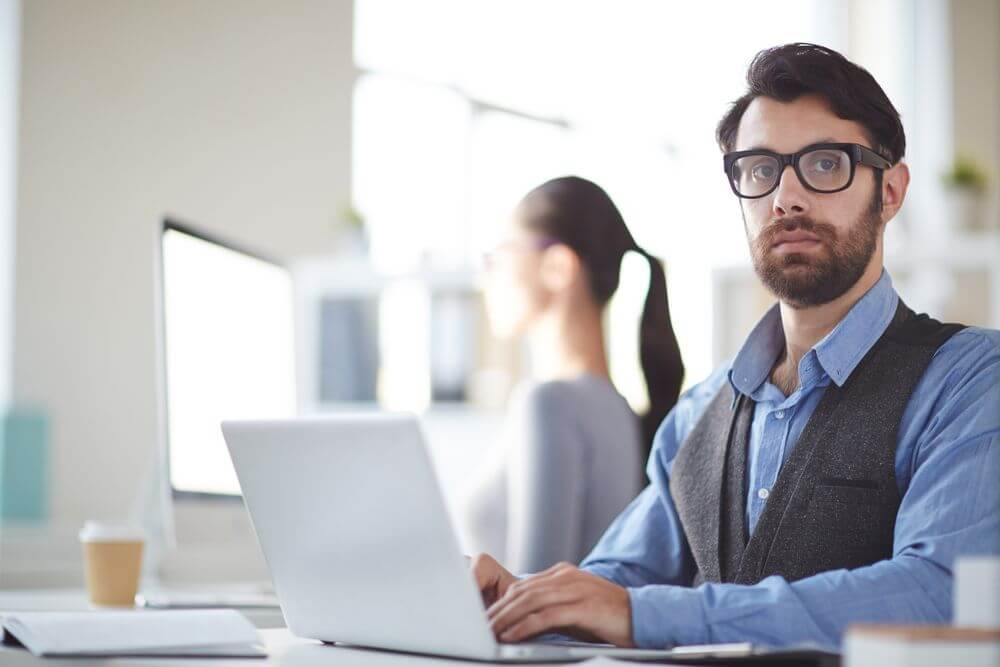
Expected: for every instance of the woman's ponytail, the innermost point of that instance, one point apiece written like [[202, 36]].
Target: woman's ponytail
[[659, 353]]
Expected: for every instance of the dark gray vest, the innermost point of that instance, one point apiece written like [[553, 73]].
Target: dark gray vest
[[835, 500]]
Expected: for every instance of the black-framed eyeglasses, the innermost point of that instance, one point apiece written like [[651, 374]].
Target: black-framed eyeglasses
[[826, 168]]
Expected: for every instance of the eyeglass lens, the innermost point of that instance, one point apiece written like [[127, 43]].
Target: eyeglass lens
[[823, 169]]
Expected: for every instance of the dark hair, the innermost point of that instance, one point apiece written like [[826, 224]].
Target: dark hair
[[788, 72], [578, 213]]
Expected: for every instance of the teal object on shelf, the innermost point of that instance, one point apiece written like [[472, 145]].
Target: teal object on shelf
[[24, 441]]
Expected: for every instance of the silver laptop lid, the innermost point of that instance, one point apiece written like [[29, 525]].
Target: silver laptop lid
[[356, 535]]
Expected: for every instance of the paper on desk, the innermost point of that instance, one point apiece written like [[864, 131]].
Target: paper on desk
[[184, 632]]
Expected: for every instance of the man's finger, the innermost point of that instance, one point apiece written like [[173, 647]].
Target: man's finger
[[541, 621], [559, 570], [514, 592], [513, 611], [484, 571], [562, 576], [480, 568]]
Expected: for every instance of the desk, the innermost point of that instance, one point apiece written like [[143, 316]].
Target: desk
[[286, 650], [67, 599], [283, 649]]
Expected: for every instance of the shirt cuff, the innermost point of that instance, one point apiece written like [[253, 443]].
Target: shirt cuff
[[666, 616]]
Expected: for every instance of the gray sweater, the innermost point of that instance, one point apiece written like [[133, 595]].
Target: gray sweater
[[567, 463]]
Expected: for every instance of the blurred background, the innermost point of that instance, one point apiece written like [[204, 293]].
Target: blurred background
[[356, 158]]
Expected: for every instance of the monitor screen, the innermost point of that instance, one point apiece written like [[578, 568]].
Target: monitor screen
[[228, 351]]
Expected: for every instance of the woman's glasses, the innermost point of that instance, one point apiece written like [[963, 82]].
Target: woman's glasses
[[826, 168], [511, 246]]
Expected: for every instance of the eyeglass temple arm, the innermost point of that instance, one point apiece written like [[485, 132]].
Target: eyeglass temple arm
[[873, 159]]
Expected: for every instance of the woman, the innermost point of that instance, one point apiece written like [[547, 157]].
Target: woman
[[572, 453]]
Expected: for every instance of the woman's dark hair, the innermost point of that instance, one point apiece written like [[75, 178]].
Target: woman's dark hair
[[788, 72], [579, 214]]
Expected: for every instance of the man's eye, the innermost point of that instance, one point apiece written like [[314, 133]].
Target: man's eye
[[824, 164], [763, 172]]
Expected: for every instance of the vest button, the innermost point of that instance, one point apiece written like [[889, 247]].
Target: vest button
[[763, 494], [780, 414]]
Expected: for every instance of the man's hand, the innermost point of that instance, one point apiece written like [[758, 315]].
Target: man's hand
[[491, 577], [562, 599]]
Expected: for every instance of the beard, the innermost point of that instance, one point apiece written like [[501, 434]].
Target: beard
[[803, 280]]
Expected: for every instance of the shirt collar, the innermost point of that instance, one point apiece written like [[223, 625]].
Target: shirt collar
[[839, 352]]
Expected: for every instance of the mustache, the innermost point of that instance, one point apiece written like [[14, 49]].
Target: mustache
[[826, 232]]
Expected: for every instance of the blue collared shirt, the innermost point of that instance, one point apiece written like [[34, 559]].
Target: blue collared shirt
[[947, 467]]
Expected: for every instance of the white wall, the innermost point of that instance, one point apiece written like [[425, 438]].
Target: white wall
[[10, 25], [233, 114]]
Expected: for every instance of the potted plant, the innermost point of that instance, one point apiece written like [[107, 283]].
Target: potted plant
[[965, 183]]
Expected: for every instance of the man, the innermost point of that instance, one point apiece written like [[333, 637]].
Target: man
[[849, 453]]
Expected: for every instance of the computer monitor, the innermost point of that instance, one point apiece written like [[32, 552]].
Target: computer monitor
[[228, 346]]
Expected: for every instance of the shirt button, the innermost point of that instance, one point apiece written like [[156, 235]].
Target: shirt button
[[763, 494], [780, 414]]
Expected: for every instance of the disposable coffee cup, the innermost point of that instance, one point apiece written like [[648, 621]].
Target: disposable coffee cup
[[112, 556]]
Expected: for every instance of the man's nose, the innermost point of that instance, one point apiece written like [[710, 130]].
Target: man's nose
[[790, 197]]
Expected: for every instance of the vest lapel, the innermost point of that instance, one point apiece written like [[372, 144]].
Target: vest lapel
[[733, 522], [696, 482]]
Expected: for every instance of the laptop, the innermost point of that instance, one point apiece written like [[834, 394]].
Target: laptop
[[361, 550]]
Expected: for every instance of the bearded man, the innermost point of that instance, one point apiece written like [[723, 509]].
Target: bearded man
[[837, 467]]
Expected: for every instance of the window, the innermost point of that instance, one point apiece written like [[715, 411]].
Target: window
[[463, 106]]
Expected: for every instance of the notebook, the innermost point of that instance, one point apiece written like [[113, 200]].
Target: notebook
[[202, 632]]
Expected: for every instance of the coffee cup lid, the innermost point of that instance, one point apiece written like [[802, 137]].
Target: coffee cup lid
[[102, 531]]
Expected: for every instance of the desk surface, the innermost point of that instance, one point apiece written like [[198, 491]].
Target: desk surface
[[286, 650], [282, 647]]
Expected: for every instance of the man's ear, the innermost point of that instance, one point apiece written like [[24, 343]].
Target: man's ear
[[895, 180], [559, 267]]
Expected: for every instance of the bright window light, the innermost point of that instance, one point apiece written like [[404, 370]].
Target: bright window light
[[465, 106]]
